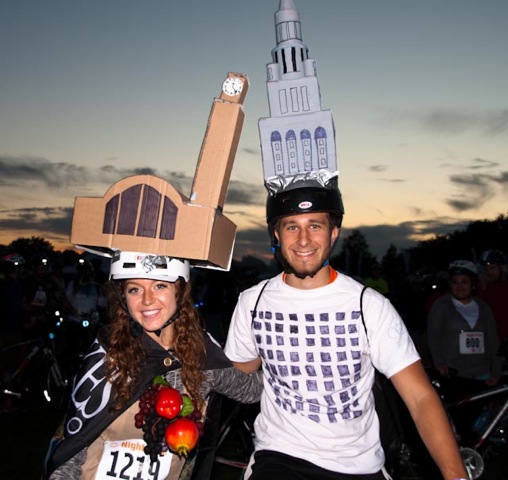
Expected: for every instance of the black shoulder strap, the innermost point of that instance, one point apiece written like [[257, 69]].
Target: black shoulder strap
[[361, 312], [254, 312]]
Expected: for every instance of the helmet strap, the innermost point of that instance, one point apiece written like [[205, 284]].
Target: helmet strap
[[169, 321]]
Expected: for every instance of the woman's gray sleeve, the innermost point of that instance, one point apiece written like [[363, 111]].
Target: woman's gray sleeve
[[70, 469], [235, 384], [229, 381]]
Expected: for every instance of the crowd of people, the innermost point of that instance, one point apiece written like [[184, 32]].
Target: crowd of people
[[457, 329], [37, 296]]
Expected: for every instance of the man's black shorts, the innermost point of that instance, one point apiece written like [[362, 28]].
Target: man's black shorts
[[270, 465]]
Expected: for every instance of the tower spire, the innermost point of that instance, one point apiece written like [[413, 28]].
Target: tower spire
[[298, 139], [287, 22]]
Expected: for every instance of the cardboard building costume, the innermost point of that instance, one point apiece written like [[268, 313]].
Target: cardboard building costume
[[298, 139], [144, 213]]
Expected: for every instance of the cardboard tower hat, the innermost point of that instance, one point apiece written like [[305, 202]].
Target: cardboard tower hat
[[145, 213], [298, 139]]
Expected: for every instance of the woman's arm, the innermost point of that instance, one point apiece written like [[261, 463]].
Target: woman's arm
[[237, 385], [71, 468]]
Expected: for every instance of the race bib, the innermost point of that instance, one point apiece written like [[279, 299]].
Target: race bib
[[126, 460], [471, 343]]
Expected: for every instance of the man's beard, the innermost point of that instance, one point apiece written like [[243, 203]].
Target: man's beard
[[301, 272]]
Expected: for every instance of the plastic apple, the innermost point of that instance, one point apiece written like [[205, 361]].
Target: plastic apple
[[168, 402]]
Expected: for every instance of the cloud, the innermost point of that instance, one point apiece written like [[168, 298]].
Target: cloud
[[476, 189], [36, 184], [451, 122], [245, 193], [60, 176], [55, 220], [17, 171], [480, 163]]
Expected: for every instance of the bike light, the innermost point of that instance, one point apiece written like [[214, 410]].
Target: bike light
[[85, 323], [46, 396]]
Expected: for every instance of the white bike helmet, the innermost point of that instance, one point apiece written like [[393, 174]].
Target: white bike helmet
[[493, 257], [463, 267], [144, 265]]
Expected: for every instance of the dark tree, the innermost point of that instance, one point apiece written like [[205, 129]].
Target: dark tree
[[354, 258], [29, 248]]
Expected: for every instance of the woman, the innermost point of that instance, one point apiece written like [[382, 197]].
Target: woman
[[462, 330], [463, 341], [154, 330]]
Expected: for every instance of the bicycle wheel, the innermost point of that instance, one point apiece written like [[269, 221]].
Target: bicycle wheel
[[44, 386], [473, 462]]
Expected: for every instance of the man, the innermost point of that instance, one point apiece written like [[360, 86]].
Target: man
[[493, 288], [303, 327]]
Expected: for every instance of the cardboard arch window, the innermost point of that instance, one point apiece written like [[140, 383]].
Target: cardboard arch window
[[145, 213]]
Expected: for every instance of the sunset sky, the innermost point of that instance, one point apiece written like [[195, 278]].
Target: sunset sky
[[94, 91]]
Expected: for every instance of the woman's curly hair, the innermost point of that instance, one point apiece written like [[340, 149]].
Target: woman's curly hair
[[125, 357]]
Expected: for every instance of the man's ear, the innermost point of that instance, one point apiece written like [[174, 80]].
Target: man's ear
[[335, 233]]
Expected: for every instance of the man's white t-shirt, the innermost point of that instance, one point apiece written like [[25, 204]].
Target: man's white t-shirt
[[317, 402]]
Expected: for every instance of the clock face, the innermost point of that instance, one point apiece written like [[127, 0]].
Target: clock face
[[232, 86]]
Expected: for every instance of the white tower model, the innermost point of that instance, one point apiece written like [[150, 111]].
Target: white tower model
[[298, 139]]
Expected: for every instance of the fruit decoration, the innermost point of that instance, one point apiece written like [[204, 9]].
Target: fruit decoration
[[168, 402], [182, 436], [170, 420]]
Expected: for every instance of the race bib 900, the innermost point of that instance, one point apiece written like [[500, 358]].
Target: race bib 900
[[471, 343], [126, 460]]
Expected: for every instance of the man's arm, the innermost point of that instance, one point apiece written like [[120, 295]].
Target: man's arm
[[249, 367], [430, 418]]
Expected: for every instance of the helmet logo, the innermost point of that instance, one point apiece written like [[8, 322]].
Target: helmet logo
[[152, 262], [305, 205]]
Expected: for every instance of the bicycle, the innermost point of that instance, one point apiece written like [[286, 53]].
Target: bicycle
[[38, 380], [236, 434], [491, 427]]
